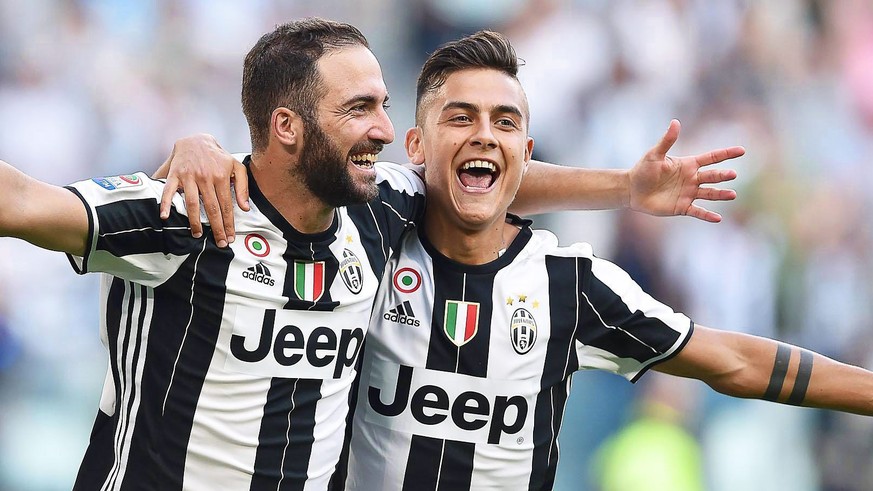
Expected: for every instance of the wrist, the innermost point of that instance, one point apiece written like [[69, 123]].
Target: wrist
[[625, 179]]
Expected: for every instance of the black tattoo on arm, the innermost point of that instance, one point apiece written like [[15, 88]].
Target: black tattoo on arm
[[801, 382], [777, 378], [780, 370]]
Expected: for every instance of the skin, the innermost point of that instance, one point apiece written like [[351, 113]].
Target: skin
[[352, 112], [468, 226], [658, 184], [467, 119]]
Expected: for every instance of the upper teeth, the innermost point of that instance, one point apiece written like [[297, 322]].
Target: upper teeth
[[479, 164], [364, 157]]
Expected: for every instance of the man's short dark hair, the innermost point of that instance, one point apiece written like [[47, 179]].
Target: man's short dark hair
[[281, 71], [484, 49]]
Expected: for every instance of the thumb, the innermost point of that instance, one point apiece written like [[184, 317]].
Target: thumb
[[669, 138]]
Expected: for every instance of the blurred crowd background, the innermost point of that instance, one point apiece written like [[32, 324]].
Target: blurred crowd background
[[100, 87]]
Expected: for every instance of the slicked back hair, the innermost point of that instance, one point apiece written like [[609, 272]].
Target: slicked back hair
[[281, 70], [484, 49]]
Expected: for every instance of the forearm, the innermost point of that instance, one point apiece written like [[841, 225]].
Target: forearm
[[741, 365], [548, 187], [44, 215]]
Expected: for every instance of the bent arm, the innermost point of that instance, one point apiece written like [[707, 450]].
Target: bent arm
[[742, 365], [47, 216]]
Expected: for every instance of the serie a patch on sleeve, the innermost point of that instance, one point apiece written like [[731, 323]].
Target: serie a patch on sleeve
[[118, 182]]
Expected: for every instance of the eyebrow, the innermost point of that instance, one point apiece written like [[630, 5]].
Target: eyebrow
[[469, 106], [365, 98]]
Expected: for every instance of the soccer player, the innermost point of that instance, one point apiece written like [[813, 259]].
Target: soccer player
[[480, 321], [230, 367]]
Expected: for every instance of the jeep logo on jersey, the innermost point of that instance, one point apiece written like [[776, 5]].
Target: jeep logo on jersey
[[407, 280], [259, 273], [309, 280], [462, 321], [522, 331], [444, 405], [351, 272], [257, 245], [296, 344]]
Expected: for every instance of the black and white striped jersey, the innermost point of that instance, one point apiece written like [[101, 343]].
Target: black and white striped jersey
[[230, 368], [467, 369]]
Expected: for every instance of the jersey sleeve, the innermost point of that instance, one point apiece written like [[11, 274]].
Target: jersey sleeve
[[126, 236], [401, 200], [622, 328]]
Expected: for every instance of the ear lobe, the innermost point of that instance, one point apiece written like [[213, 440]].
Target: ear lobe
[[414, 146], [528, 152], [286, 126]]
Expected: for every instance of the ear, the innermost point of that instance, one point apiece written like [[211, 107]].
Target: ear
[[414, 146], [286, 126], [528, 152]]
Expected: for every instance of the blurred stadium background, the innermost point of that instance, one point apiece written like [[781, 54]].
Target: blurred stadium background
[[98, 87]]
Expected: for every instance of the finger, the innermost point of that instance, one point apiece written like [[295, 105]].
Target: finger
[[719, 155], [225, 203], [714, 194], [241, 185], [170, 188], [192, 206], [703, 214], [669, 138], [715, 176], [212, 206]]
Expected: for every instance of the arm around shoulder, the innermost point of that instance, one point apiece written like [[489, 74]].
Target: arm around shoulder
[[45, 215]]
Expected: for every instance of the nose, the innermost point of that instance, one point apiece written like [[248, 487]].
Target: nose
[[483, 136], [382, 129]]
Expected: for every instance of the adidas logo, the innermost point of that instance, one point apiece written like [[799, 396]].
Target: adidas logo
[[402, 314], [260, 274]]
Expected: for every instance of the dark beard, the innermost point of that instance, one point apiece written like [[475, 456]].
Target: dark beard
[[325, 171]]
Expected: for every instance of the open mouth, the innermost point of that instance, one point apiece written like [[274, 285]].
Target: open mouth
[[477, 174], [364, 161]]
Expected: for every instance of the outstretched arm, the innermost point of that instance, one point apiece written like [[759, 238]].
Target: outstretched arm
[[47, 216], [659, 184], [742, 365], [202, 169]]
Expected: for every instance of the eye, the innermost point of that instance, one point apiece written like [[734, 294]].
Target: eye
[[359, 108], [386, 105], [460, 118], [507, 122]]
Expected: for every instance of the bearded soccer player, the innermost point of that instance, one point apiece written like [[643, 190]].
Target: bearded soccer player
[[480, 321], [230, 367]]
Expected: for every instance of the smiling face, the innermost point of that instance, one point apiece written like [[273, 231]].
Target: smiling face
[[474, 143], [337, 158]]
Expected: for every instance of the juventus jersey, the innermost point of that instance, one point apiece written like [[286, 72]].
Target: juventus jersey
[[230, 368], [467, 369]]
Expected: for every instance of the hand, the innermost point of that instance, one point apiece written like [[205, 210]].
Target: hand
[[664, 185], [200, 168]]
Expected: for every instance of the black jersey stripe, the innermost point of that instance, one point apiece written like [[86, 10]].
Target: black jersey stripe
[[125, 400], [99, 460], [423, 463], [206, 278], [560, 362], [377, 244], [639, 337], [286, 435]]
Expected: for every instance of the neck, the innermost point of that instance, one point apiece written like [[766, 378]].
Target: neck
[[291, 198], [465, 245]]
